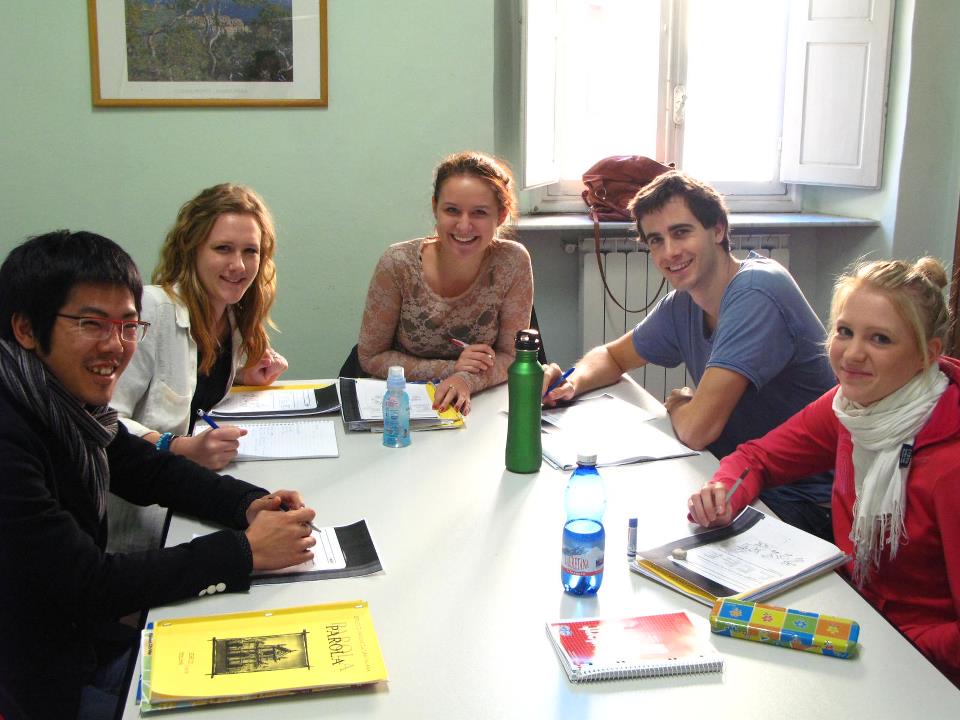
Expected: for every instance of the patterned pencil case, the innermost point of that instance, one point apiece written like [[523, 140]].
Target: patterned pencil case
[[786, 627]]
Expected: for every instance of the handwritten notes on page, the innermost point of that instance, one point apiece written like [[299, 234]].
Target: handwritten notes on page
[[285, 439]]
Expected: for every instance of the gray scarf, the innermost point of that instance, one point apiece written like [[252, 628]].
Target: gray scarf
[[84, 430]]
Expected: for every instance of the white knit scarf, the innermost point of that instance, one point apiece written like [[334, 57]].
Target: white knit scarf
[[879, 431]]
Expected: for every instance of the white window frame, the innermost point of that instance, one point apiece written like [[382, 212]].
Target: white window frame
[[544, 193]]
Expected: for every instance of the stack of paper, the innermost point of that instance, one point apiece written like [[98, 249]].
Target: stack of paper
[[615, 430]]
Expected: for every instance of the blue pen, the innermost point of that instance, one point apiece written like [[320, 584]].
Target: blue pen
[[556, 383], [206, 418]]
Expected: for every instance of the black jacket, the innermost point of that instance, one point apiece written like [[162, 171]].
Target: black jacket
[[57, 584]]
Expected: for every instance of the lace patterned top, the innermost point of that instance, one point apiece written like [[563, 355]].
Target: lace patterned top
[[406, 323]]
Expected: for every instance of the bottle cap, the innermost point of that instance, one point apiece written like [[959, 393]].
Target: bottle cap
[[586, 458], [527, 340], [395, 376]]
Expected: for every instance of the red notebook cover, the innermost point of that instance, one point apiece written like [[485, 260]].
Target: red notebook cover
[[642, 646]]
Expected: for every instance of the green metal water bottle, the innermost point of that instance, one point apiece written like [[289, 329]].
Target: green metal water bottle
[[525, 388]]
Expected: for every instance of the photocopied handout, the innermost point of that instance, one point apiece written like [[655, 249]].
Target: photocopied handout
[[242, 403], [766, 553], [370, 400]]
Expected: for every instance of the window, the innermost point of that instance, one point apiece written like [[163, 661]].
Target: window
[[704, 84]]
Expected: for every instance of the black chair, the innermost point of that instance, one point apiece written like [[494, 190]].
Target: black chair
[[351, 366], [534, 324]]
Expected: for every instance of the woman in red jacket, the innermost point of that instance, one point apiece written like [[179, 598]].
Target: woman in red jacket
[[891, 431]]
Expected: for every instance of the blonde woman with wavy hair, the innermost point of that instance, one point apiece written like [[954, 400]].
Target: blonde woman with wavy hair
[[891, 431], [213, 289]]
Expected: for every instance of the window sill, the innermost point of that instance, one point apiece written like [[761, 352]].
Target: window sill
[[738, 221]]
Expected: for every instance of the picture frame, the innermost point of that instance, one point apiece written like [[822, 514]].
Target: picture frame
[[208, 52]]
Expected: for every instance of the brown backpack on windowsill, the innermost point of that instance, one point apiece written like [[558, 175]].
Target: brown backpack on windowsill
[[611, 184]]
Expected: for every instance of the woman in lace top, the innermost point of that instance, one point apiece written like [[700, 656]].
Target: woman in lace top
[[448, 306]]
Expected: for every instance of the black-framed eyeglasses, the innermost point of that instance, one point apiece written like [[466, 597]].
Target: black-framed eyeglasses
[[100, 329]]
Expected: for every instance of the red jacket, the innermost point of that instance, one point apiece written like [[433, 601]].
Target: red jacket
[[919, 590]]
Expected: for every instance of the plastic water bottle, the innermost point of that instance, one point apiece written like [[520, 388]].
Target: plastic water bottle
[[396, 410], [581, 568], [524, 389]]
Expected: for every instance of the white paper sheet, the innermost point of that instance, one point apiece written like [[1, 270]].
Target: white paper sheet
[[370, 400], [283, 439]]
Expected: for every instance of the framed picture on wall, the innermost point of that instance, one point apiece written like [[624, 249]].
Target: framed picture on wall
[[208, 52]]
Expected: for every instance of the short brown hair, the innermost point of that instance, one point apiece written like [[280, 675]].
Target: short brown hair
[[704, 202]]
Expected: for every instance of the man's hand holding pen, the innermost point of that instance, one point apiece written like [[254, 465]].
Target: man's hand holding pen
[[557, 385], [279, 538]]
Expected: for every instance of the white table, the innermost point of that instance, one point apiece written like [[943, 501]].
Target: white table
[[471, 555]]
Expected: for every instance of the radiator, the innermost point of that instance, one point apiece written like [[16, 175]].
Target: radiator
[[634, 279]]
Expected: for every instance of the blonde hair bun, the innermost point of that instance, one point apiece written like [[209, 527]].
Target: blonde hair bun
[[932, 270]]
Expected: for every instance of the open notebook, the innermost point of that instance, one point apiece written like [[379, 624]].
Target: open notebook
[[284, 438], [753, 558]]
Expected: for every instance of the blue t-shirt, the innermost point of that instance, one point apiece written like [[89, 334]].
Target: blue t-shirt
[[766, 331]]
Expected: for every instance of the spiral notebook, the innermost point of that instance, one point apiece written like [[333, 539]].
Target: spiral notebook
[[637, 647]]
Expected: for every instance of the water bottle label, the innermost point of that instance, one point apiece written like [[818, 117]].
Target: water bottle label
[[583, 560]]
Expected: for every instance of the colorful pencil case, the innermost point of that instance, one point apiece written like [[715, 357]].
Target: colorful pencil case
[[785, 627]]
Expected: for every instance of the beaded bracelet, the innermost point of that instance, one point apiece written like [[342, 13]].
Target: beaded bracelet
[[164, 442]]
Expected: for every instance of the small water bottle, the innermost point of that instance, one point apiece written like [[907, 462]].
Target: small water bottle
[[581, 567], [396, 410], [524, 390]]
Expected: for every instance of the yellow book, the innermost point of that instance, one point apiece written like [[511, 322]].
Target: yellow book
[[244, 656]]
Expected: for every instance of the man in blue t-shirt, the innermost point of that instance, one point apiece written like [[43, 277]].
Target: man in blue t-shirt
[[747, 335]]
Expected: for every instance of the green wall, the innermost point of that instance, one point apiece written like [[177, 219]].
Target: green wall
[[408, 83]]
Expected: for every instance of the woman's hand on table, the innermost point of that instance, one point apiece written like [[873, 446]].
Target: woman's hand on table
[[452, 392]]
